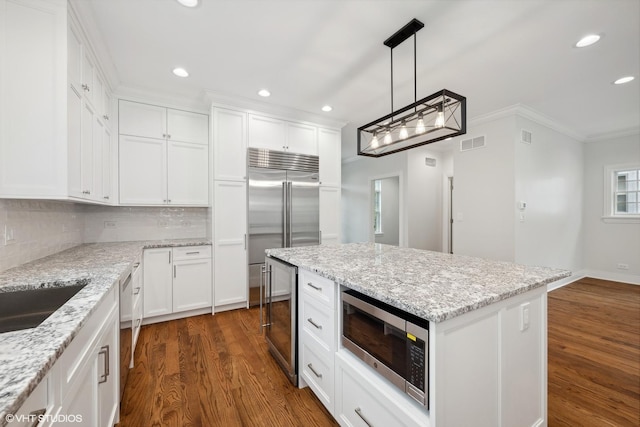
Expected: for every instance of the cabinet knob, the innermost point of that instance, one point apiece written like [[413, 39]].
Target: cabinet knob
[[106, 197], [106, 117], [168, 136], [164, 135], [86, 88], [168, 200]]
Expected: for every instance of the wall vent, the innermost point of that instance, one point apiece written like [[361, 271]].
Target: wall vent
[[472, 143], [525, 136]]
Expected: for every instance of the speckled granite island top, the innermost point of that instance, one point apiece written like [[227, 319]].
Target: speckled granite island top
[[27, 355], [432, 285]]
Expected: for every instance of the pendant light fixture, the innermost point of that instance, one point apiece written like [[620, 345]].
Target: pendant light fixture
[[437, 117]]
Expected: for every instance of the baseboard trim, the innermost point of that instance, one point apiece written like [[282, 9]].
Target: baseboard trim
[[174, 316], [632, 279]]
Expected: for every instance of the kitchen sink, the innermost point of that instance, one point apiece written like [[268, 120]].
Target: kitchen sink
[[29, 308]]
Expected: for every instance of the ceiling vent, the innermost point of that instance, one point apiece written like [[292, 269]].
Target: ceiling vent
[[472, 144], [525, 136]]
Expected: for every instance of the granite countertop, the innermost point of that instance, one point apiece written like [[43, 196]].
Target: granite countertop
[[432, 285], [27, 355]]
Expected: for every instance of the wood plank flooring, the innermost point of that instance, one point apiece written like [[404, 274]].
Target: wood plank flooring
[[594, 354], [213, 371], [217, 371]]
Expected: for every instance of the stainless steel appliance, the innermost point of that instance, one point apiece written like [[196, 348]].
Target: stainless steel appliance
[[126, 340], [278, 288], [393, 342], [283, 206]]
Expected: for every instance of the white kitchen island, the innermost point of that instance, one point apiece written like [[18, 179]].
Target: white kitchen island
[[487, 335]]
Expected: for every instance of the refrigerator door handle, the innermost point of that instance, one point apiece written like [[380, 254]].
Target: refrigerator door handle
[[263, 273], [284, 214], [289, 207]]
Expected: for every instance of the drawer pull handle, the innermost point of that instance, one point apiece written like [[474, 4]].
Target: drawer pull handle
[[310, 320], [193, 253], [310, 366], [138, 323], [35, 416], [104, 350], [137, 291], [362, 417], [317, 288]]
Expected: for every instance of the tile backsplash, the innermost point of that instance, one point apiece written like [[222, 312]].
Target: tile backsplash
[[119, 224], [32, 229]]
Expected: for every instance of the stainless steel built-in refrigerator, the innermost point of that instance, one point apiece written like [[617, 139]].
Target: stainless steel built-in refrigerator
[[283, 211]]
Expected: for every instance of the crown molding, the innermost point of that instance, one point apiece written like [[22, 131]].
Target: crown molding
[[608, 136], [218, 99], [179, 101]]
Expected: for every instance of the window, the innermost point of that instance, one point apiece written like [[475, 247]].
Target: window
[[622, 192], [377, 206], [626, 192]]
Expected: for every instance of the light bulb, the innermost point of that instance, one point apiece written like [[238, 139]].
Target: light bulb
[[403, 131], [420, 126], [439, 118], [374, 141], [387, 137]]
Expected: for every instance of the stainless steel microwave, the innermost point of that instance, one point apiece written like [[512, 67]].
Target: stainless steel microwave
[[393, 342]]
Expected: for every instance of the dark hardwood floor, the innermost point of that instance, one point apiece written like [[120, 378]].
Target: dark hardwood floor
[[594, 354], [217, 371], [213, 371]]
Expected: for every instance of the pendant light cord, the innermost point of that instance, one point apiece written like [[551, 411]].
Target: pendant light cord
[[392, 83]]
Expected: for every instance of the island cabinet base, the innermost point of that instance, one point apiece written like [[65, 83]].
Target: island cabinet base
[[489, 366]]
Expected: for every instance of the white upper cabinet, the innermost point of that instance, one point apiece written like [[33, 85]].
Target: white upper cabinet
[[329, 215], [302, 139], [145, 120], [329, 149], [74, 59], [164, 156], [33, 77], [185, 126], [280, 135], [229, 144]]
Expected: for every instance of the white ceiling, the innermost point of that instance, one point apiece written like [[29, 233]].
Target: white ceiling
[[309, 53]]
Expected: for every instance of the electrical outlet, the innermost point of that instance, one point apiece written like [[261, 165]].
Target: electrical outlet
[[524, 316], [110, 224], [622, 266]]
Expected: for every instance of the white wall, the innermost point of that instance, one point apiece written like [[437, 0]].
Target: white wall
[[390, 211], [548, 177], [483, 195], [40, 228], [607, 244]]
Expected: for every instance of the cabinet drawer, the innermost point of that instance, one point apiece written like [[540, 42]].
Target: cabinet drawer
[[317, 371], [191, 252], [38, 403], [318, 288], [137, 323], [319, 322], [77, 354]]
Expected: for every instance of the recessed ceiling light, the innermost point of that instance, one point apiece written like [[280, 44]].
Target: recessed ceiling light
[[264, 92], [623, 80], [180, 72], [588, 40], [327, 108], [188, 3]]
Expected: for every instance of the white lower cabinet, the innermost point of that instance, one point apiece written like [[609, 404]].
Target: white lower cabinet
[[176, 280], [40, 402]]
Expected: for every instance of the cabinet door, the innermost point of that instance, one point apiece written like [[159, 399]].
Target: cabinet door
[[191, 284], [74, 59], [330, 215], [88, 76], [230, 250], [185, 126], [108, 390], [188, 173], [74, 137], [86, 151], [138, 119], [229, 145], [329, 150], [157, 294], [82, 399], [302, 139], [97, 163], [265, 132], [106, 164], [143, 166]]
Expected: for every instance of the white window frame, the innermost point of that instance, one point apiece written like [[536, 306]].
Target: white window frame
[[609, 192], [377, 225]]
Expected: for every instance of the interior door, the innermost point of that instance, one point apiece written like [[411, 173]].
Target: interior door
[[304, 208]]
